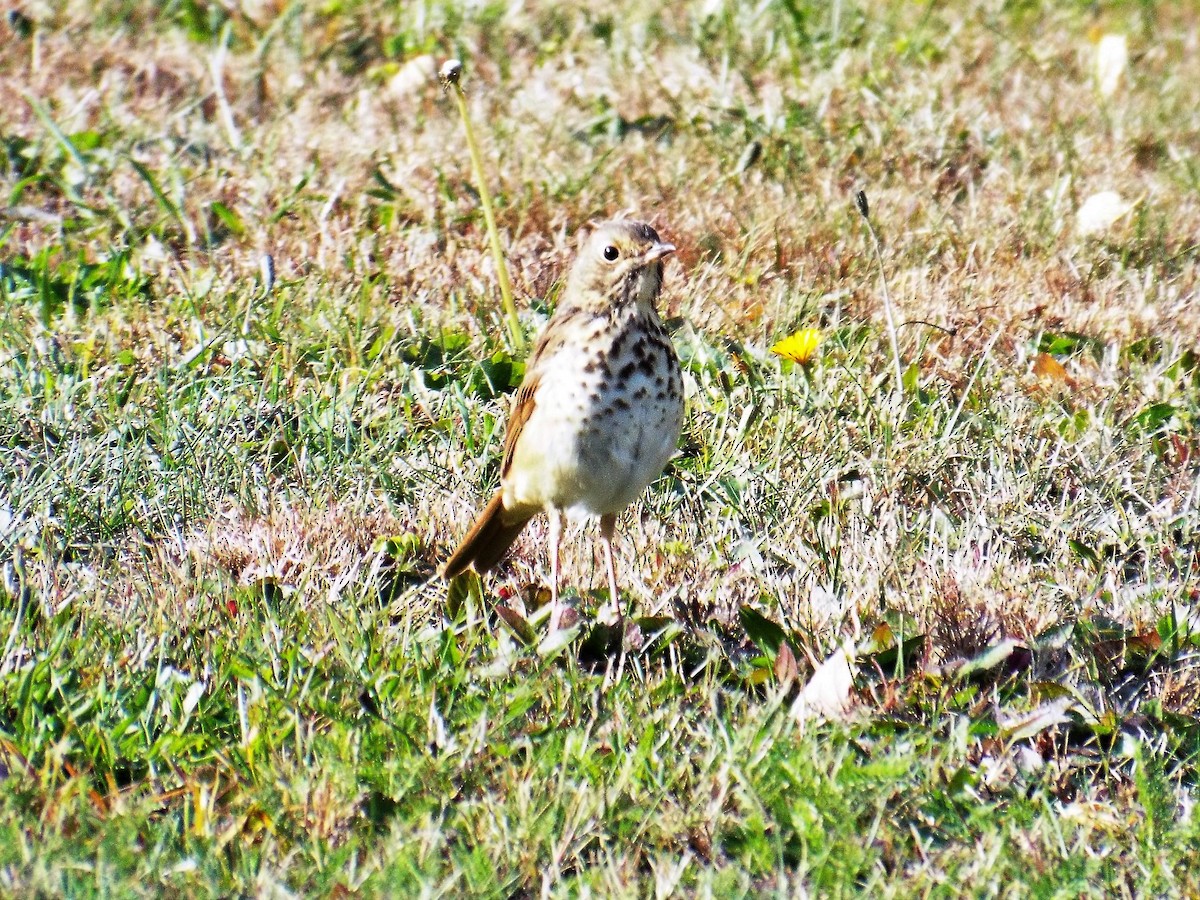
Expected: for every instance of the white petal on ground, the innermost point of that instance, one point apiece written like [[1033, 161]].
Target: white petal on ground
[[1100, 211], [827, 693], [415, 75], [1112, 55]]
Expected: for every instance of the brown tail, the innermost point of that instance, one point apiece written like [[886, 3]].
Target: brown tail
[[487, 541]]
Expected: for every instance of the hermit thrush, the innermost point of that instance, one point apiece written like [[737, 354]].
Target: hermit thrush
[[599, 411]]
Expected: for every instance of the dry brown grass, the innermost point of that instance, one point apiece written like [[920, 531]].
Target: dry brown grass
[[975, 168]]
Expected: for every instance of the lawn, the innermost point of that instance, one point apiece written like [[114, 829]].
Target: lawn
[[915, 614]]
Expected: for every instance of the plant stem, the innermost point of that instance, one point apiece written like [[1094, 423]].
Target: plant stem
[[863, 208], [485, 198]]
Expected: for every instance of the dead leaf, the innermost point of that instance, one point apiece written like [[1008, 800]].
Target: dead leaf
[[1046, 366], [785, 666], [519, 624], [1027, 724]]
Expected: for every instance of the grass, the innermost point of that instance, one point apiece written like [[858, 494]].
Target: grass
[[225, 668]]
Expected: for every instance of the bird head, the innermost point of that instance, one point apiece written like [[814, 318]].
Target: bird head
[[619, 262]]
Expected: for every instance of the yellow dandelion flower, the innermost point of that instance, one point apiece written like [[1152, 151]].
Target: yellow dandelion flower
[[800, 347]]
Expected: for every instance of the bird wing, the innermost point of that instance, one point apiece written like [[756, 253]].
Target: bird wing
[[559, 334], [522, 409]]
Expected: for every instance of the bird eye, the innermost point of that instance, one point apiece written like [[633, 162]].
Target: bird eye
[[611, 252]]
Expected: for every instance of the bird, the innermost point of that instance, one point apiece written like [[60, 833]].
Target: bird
[[599, 411]]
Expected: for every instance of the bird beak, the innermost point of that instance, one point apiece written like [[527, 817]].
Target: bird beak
[[658, 251]]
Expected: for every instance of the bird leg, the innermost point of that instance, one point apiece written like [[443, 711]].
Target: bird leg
[[554, 535], [608, 525]]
